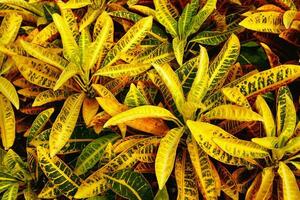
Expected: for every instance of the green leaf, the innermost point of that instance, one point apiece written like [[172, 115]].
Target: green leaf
[[9, 91], [92, 153], [58, 172], [135, 98], [186, 17], [162, 194], [166, 155], [11, 193], [130, 185], [16, 166], [39, 123], [201, 16]]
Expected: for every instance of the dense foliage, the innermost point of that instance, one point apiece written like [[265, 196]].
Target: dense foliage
[[142, 99]]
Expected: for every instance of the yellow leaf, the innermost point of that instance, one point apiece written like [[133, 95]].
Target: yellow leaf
[[185, 178], [133, 37], [70, 50], [65, 123], [203, 170], [7, 123], [200, 83], [268, 120], [289, 182], [155, 126], [146, 111], [269, 21], [37, 72], [266, 186], [9, 91], [89, 109], [220, 66], [204, 134], [289, 122], [235, 96], [269, 142], [166, 154], [172, 82], [122, 70], [241, 148], [165, 16], [233, 112], [44, 54]]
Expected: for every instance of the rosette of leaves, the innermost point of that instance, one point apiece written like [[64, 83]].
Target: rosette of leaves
[[193, 103], [276, 177]]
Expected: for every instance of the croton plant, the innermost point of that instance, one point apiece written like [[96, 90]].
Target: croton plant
[[149, 99]]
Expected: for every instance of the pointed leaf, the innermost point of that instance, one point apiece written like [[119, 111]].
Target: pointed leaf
[[185, 178], [204, 134], [220, 66], [132, 37], [165, 16], [122, 70], [7, 123], [269, 22], [37, 72], [199, 86], [58, 172], [233, 112], [70, 71], [130, 185], [241, 148], [11, 193], [49, 96], [92, 153], [65, 123], [44, 54], [268, 120], [171, 80], [203, 169], [9, 91], [166, 154], [39, 123], [289, 183]]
